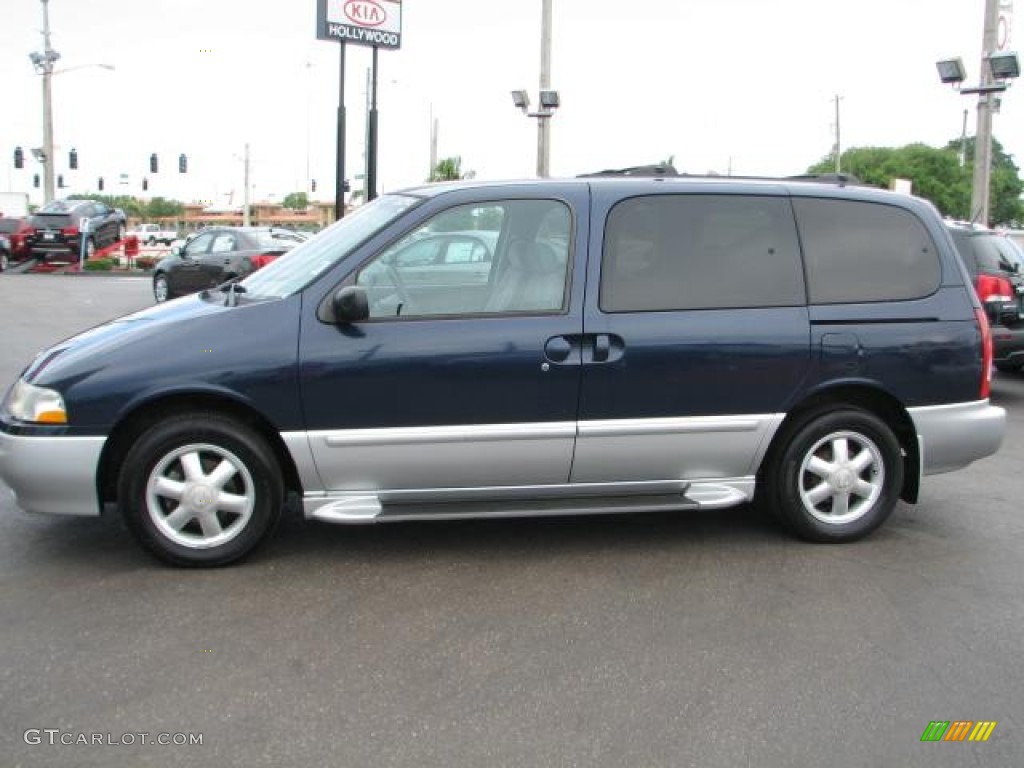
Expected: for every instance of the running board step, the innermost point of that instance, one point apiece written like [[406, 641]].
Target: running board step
[[370, 508]]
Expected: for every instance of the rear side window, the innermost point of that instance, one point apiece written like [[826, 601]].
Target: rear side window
[[682, 252], [864, 252]]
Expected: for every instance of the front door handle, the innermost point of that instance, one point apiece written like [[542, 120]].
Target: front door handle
[[558, 349]]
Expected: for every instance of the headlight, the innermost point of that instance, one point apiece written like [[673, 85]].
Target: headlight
[[26, 402]]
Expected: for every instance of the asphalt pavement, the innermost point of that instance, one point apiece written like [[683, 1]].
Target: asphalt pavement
[[689, 639]]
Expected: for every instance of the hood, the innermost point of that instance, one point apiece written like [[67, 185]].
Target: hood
[[123, 331]]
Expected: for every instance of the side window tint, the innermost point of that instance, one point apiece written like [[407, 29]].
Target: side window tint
[[865, 252], [199, 245], [682, 252], [223, 243], [494, 258]]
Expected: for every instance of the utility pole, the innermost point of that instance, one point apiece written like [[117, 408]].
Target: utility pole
[[44, 65], [963, 141], [980, 187], [544, 124], [246, 221], [433, 143], [839, 146]]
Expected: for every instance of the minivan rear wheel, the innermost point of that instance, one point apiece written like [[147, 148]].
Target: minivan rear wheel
[[200, 490], [837, 476]]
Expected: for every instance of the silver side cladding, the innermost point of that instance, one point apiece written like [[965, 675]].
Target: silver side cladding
[[297, 444], [52, 475], [953, 436], [685, 448]]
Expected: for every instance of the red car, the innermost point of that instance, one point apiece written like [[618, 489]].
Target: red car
[[17, 231]]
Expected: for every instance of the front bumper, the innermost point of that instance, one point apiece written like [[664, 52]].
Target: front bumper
[[953, 436], [53, 475]]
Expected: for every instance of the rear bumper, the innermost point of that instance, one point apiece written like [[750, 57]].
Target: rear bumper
[[1008, 344], [53, 475], [953, 436]]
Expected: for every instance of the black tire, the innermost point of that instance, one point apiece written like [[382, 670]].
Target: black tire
[[151, 241], [176, 506], [867, 485], [162, 288], [1009, 367]]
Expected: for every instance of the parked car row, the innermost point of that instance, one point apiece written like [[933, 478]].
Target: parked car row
[[995, 264], [218, 254]]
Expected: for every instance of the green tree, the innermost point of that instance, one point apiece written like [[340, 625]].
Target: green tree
[[162, 208], [1005, 203], [449, 169], [297, 201], [936, 175]]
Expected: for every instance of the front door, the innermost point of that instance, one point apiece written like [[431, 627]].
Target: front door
[[451, 382], [697, 335]]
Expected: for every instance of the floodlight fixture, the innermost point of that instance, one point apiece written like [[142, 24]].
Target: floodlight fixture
[[951, 71], [521, 99], [1004, 66], [549, 100]]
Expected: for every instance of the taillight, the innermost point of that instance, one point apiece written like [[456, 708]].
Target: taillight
[[70, 231], [986, 352], [261, 261], [994, 288]]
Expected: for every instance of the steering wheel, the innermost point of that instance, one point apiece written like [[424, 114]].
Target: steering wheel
[[400, 288]]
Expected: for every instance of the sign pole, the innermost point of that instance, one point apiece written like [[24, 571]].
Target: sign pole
[[339, 184], [371, 139]]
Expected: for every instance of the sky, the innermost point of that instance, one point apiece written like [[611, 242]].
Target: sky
[[745, 86]]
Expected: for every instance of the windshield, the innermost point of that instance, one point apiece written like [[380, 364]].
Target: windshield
[[299, 267]]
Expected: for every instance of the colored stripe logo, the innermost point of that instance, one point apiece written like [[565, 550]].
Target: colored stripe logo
[[958, 730]]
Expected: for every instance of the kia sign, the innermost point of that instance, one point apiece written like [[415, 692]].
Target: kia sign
[[363, 22]]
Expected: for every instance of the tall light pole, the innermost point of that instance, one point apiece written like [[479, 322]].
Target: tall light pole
[[543, 125], [998, 68], [43, 63], [981, 184]]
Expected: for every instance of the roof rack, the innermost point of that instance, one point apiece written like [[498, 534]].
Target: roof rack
[[663, 169], [842, 179], [660, 169]]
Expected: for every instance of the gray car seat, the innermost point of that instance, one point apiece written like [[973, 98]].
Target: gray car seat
[[533, 279]]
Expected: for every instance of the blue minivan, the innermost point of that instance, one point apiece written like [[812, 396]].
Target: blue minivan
[[600, 345]]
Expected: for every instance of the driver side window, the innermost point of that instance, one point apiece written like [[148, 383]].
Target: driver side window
[[494, 258]]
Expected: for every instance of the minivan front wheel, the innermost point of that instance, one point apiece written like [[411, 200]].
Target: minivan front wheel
[[837, 477], [200, 490]]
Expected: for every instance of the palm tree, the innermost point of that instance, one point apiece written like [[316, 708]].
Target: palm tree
[[450, 169]]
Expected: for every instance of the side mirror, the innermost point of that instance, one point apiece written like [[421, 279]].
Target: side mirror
[[351, 305], [178, 250]]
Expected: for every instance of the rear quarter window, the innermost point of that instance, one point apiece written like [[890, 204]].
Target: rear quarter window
[[865, 252]]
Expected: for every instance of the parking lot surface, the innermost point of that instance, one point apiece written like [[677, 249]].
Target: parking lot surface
[[703, 639]]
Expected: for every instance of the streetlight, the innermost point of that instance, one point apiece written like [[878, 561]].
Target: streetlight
[[43, 63], [549, 100], [997, 68]]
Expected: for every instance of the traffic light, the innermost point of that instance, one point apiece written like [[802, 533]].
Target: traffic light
[[35, 180], [182, 163], [145, 182], [99, 184], [19, 158], [60, 180], [73, 159], [152, 163], [314, 185]]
